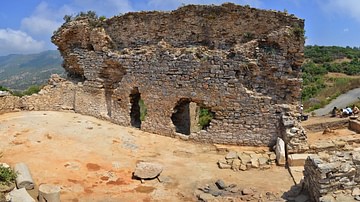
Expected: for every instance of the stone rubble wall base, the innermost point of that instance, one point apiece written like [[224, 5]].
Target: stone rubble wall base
[[354, 125], [328, 175]]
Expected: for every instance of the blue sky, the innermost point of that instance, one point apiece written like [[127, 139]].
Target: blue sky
[[27, 25]]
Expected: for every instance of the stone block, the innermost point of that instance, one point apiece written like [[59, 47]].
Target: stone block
[[20, 195], [245, 158], [231, 155], [297, 159], [223, 165], [297, 173], [263, 161], [236, 164], [255, 163], [280, 152], [243, 167]]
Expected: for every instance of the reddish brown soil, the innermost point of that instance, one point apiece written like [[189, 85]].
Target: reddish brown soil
[[93, 160]]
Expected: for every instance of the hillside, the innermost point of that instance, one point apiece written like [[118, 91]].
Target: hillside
[[329, 71], [18, 72]]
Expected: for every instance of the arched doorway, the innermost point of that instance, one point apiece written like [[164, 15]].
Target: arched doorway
[[135, 97]]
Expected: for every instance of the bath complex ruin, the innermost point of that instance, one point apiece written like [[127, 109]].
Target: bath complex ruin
[[239, 64], [160, 71]]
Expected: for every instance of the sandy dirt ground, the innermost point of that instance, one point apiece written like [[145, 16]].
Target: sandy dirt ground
[[93, 160], [314, 137]]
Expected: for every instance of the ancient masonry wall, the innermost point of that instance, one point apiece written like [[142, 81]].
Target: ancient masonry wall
[[354, 125], [326, 175], [240, 63]]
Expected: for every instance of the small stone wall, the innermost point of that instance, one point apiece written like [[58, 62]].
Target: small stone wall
[[328, 175], [354, 125], [58, 95], [336, 124]]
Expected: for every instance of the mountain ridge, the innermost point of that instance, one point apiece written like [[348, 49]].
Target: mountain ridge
[[19, 71]]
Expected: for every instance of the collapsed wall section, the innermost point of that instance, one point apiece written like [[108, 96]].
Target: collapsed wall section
[[239, 63], [58, 95]]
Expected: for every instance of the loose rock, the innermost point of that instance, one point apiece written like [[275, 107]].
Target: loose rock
[[148, 170], [220, 184]]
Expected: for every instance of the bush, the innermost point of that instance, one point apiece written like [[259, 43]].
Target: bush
[[94, 19], [7, 175], [205, 117], [2, 88], [299, 32], [31, 90], [102, 18]]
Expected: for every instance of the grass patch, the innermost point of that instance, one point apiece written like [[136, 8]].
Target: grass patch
[[143, 110]]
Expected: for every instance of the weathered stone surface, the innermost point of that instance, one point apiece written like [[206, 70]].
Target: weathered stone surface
[[206, 197], [280, 152], [243, 167], [263, 161], [356, 191], [255, 163], [220, 184], [20, 195], [246, 160], [147, 170], [302, 198], [297, 159], [223, 164], [337, 176], [247, 191], [231, 155], [235, 166], [214, 190], [257, 69], [354, 125]]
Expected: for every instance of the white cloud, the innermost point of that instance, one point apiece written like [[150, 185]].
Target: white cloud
[[345, 8], [44, 19], [15, 41], [47, 17], [104, 7]]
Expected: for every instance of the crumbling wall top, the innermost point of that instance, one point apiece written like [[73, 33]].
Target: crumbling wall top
[[219, 27]]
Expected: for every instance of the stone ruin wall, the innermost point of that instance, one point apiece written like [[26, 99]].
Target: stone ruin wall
[[330, 174], [241, 63]]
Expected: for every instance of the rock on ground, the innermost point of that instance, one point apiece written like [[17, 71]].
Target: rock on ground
[[148, 170]]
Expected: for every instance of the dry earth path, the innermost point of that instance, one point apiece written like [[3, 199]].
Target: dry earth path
[[93, 160]]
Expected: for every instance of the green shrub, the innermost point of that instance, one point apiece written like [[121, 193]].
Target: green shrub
[[102, 18], [2, 88], [143, 110], [299, 32], [205, 116], [31, 90], [7, 176]]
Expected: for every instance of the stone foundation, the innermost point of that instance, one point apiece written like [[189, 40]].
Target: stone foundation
[[328, 175], [354, 125]]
